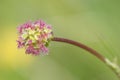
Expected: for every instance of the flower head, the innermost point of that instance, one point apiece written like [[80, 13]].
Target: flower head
[[34, 37]]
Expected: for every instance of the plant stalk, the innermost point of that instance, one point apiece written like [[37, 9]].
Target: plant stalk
[[92, 51]]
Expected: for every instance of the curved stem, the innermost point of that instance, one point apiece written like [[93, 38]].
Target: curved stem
[[92, 51], [111, 65]]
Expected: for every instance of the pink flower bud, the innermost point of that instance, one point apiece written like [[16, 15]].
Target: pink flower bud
[[34, 37]]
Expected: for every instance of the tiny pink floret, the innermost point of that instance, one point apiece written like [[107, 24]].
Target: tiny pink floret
[[34, 37]]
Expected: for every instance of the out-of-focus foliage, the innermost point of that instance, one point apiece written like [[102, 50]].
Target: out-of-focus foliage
[[92, 22]]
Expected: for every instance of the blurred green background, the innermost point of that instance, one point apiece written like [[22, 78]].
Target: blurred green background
[[95, 23]]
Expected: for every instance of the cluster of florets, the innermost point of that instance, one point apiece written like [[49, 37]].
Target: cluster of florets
[[34, 37]]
